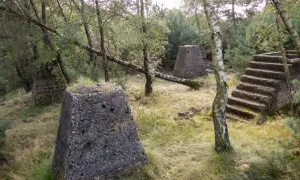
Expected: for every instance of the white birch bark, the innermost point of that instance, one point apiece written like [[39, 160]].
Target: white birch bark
[[222, 142]]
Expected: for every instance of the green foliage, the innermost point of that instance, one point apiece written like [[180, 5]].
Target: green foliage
[[4, 125], [118, 75], [240, 49], [181, 32], [42, 172]]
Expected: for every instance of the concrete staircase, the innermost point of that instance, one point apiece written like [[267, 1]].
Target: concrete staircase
[[258, 88]]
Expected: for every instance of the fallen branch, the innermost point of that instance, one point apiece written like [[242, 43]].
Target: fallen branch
[[188, 82]]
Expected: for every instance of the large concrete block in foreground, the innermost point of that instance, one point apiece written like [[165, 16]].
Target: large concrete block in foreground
[[189, 62], [97, 136]]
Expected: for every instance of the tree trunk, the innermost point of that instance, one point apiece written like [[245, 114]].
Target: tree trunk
[[61, 10], [284, 59], [47, 39], [49, 42], [149, 79], [233, 20], [25, 77], [222, 143], [47, 87], [233, 14], [187, 82], [288, 24], [86, 30], [101, 29]]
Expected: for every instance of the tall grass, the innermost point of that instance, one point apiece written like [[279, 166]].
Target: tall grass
[[177, 148]]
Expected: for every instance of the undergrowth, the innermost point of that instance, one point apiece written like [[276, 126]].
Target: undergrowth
[[177, 148]]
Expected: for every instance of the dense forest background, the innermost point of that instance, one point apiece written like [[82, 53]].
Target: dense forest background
[[247, 31]]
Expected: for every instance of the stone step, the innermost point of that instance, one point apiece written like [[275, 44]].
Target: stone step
[[260, 81], [265, 73], [268, 58], [265, 90], [252, 105], [264, 99], [268, 66], [232, 117], [240, 112], [292, 56]]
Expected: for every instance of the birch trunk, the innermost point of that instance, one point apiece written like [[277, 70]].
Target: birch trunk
[[222, 143], [49, 42], [149, 80], [47, 39], [288, 24], [86, 29], [187, 82], [284, 59], [101, 29]]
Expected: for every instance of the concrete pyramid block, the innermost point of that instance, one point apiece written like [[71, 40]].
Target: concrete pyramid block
[[97, 136], [189, 62]]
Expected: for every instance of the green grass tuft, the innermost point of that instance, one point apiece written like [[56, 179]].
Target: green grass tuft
[[42, 172]]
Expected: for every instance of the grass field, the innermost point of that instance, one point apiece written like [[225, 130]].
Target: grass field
[[177, 148]]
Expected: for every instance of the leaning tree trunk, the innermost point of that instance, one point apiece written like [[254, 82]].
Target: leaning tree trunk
[[284, 58], [48, 86], [288, 24], [49, 43], [222, 142], [187, 82], [149, 79], [101, 29], [86, 29]]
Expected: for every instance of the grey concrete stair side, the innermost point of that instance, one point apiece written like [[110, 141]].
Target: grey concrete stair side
[[265, 73], [260, 81], [267, 66], [233, 117], [268, 58], [240, 112], [260, 98], [230, 116], [265, 90], [258, 88], [252, 105], [292, 56]]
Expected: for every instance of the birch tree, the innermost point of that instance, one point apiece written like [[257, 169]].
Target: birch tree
[[87, 30], [222, 143], [288, 23], [102, 41], [47, 39], [149, 80]]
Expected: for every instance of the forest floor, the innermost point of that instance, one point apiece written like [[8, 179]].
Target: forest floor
[[178, 148]]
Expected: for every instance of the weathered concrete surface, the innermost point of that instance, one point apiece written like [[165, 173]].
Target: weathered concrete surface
[[189, 62], [48, 88], [283, 97], [263, 88], [97, 136]]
